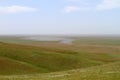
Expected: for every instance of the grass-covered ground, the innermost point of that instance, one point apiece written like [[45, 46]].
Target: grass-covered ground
[[99, 40], [35, 60], [103, 72]]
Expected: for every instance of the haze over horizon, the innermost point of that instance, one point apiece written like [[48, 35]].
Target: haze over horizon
[[93, 17]]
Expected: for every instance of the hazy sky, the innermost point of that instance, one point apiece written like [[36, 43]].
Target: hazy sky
[[59, 16]]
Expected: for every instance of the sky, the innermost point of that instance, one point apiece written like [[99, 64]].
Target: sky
[[60, 17]]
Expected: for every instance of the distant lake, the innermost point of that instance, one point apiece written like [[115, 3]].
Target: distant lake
[[51, 38]]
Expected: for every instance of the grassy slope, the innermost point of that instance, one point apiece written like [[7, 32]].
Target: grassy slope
[[37, 59], [9, 66], [104, 72], [53, 57]]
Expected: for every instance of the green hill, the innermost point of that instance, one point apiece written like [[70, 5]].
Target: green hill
[[92, 59], [109, 71], [21, 59]]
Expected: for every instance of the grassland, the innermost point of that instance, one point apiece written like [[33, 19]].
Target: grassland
[[34, 60], [99, 40], [104, 72]]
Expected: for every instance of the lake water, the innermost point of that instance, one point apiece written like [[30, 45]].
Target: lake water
[[51, 38]]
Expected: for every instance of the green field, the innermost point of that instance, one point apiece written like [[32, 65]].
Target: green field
[[88, 58]]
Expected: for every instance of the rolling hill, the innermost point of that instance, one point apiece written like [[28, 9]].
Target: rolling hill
[[54, 61]]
